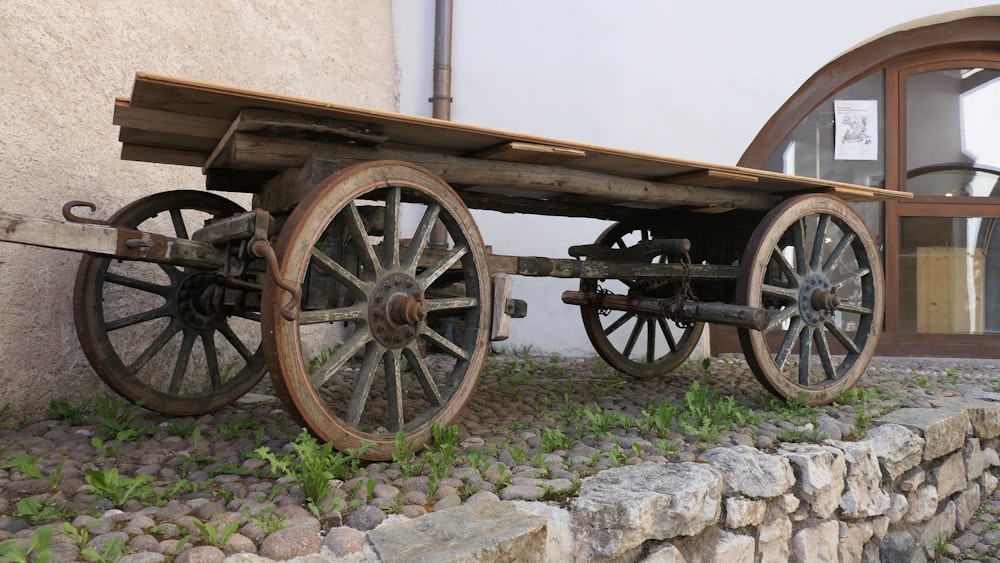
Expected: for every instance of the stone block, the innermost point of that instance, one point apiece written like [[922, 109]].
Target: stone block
[[819, 472], [619, 509], [943, 429], [898, 506], [665, 554], [863, 494], [941, 525], [989, 483], [900, 547], [983, 415], [817, 543], [898, 448], [949, 476], [853, 538], [718, 546], [559, 542], [966, 506], [484, 531], [975, 461], [742, 512], [923, 504], [749, 472]]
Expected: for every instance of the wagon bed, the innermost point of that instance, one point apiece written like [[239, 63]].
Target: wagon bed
[[241, 138]]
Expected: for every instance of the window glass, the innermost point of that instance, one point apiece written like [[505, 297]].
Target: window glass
[[949, 275], [810, 150], [952, 148]]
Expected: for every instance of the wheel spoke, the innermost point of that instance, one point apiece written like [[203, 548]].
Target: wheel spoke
[[838, 253], [774, 321], [180, 366], [791, 336], [451, 303], [619, 322], [823, 349], [790, 293], [786, 268], [650, 340], [212, 359], [155, 346], [234, 340], [180, 229], [632, 338], [449, 347], [819, 241], [852, 277], [430, 275], [141, 285], [358, 287], [393, 391], [805, 353], [138, 318], [668, 335], [842, 337], [359, 237], [799, 242], [363, 386], [347, 350], [423, 375], [420, 237], [852, 308], [353, 313], [390, 242]]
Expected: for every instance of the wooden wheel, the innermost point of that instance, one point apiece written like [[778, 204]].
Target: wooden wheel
[[814, 265], [638, 345], [350, 367], [146, 328]]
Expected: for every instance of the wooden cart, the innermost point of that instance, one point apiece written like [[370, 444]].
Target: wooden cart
[[362, 284]]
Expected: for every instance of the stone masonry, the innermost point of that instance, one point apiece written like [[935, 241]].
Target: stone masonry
[[914, 481]]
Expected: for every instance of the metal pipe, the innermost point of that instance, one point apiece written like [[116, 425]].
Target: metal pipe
[[441, 99]]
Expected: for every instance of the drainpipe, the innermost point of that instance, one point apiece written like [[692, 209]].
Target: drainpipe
[[441, 99]]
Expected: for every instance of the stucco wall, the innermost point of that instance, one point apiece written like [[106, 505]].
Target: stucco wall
[[64, 62]]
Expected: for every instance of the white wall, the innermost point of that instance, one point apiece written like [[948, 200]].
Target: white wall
[[64, 62], [694, 80]]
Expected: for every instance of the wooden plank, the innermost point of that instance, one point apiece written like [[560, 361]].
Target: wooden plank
[[142, 153], [157, 139], [130, 117], [530, 152], [715, 178]]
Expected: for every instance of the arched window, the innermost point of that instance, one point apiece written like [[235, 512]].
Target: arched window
[[915, 110]]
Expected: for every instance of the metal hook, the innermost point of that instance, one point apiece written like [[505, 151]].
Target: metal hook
[[67, 211]]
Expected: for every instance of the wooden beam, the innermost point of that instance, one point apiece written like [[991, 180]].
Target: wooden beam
[[254, 151]]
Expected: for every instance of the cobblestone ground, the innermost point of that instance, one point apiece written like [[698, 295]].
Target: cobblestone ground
[[535, 426]]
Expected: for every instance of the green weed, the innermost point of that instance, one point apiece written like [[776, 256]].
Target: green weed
[[312, 466], [108, 484], [37, 550], [216, 534], [62, 409]]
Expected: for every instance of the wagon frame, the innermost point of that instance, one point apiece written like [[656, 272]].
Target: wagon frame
[[377, 298]]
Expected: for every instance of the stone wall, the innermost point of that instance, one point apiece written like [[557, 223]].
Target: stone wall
[[916, 479], [65, 61]]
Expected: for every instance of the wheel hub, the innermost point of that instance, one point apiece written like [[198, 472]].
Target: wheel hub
[[817, 299], [396, 308], [196, 296]]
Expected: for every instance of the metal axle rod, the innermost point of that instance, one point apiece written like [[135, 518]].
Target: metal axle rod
[[717, 313]]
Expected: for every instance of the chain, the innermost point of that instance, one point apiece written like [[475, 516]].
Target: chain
[[596, 298], [684, 292]]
